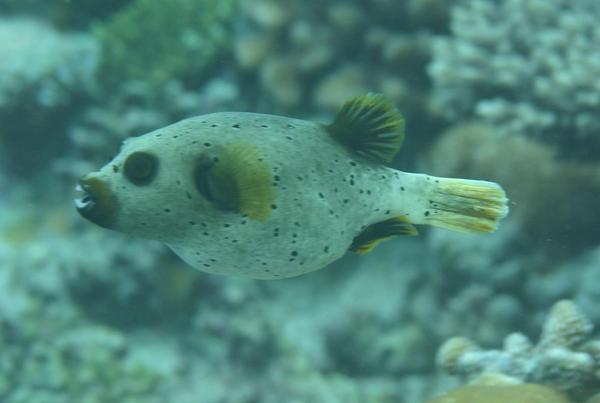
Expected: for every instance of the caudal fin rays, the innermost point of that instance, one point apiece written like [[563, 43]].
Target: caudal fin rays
[[469, 206]]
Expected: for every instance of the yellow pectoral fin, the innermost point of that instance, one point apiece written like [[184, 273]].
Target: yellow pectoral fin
[[241, 181]]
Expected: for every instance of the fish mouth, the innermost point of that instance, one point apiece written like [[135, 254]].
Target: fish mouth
[[95, 201], [84, 201]]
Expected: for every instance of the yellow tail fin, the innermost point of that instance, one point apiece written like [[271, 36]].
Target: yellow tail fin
[[464, 205]]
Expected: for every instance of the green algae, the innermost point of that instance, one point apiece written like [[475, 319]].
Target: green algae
[[155, 42]]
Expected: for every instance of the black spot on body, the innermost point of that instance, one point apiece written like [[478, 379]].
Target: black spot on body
[[236, 126], [426, 213]]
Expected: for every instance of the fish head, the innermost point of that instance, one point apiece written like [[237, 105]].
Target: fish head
[[149, 189]]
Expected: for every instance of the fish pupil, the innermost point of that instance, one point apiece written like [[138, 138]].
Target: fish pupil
[[140, 168]]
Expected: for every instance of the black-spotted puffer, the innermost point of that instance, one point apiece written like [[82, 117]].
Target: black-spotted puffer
[[272, 197]]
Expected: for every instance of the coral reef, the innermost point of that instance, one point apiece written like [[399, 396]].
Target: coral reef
[[42, 67], [86, 315], [51, 353], [42, 74], [307, 58], [532, 71], [565, 357]]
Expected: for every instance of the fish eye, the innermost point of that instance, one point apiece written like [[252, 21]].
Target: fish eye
[[140, 168]]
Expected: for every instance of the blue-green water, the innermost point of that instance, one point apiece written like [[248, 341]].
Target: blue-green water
[[498, 90]]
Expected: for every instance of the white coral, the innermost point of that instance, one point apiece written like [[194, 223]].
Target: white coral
[[561, 358], [527, 66], [40, 61]]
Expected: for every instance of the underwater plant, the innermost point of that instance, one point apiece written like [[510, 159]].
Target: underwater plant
[[156, 42]]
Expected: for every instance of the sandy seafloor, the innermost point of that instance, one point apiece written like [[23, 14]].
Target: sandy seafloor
[[501, 90]]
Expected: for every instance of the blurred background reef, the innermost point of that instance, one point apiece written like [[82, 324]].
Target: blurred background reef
[[503, 90]]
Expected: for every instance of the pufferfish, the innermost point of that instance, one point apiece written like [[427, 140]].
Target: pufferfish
[[272, 197]]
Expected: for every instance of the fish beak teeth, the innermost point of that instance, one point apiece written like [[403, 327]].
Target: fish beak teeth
[[95, 202], [83, 200]]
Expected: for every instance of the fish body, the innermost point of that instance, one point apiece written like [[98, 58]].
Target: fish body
[[271, 197]]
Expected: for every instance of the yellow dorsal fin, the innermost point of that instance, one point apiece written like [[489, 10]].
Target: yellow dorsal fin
[[371, 236], [371, 126], [240, 180]]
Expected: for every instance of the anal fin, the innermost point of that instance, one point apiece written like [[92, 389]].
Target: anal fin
[[371, 236]]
